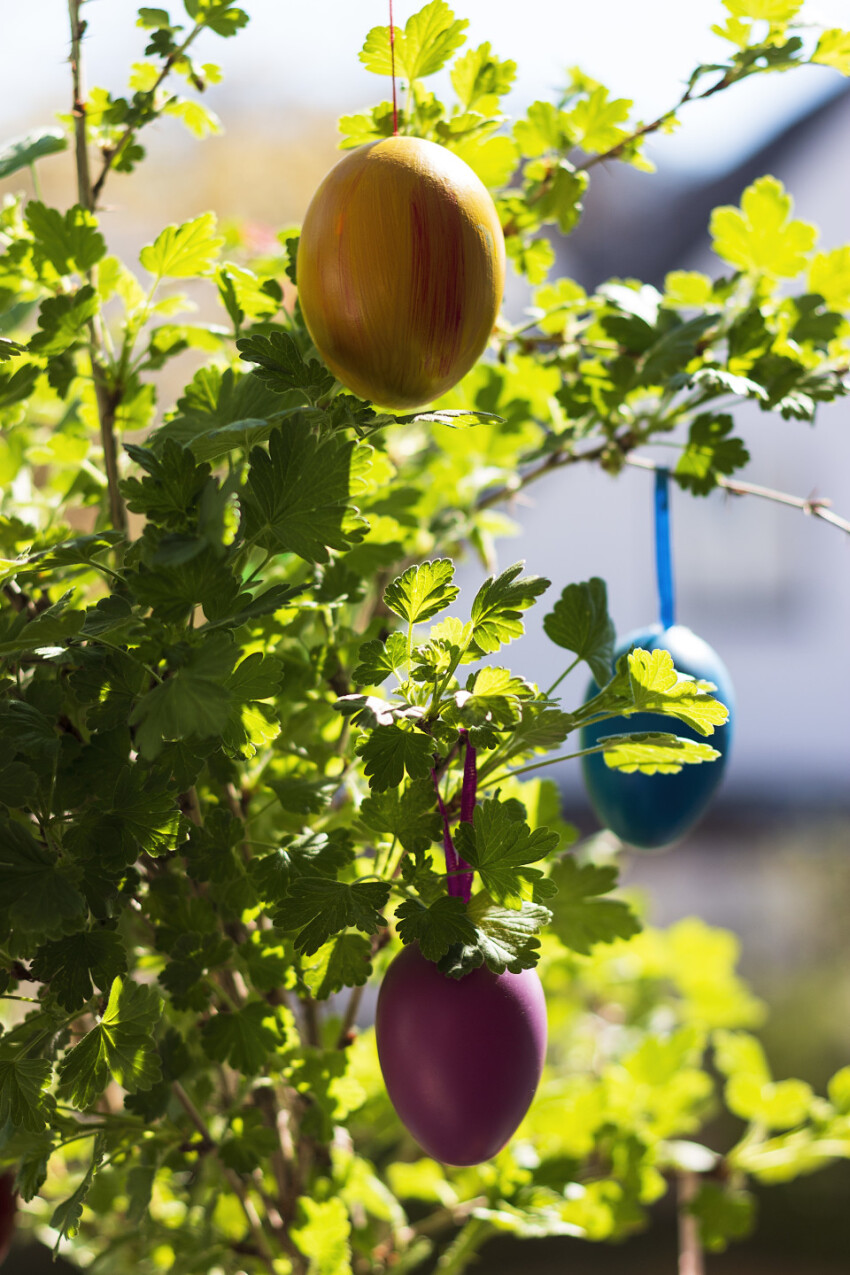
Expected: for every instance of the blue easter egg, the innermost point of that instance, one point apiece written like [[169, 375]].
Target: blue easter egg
[[649, 811]]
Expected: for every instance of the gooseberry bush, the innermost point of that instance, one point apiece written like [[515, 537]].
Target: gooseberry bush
[[234, 681]]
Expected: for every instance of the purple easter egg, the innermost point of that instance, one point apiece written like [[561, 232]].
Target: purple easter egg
[[461, 1058]]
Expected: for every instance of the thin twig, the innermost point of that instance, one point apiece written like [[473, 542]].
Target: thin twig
[[443, 1219], [235, 1182], [690, 1246], [816, 506], [557, 460]]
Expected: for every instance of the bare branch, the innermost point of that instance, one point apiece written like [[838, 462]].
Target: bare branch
[[815, 506]]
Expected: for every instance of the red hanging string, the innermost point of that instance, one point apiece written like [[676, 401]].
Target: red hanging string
[[392, 65]]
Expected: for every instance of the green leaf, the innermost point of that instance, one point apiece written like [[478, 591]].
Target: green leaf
[[323, 1235], [320, 907], [369, 126], [62, 320], [250, 1148], [422, 591], [391, 752], [181, 252], [194, 703], [297, 496], [762, 238], [245, 294], [579, 622], [52, 627], [36, 890], [71, 965], [172, 486], [674, 349], [453, 418], [245, 1038], [407, 814], [543, 129], [344, 962], [839, 1091], [656, 688], [594, 122], [653, 753], [556, 190], [480, 74], [121, 1046], [829, 275], [429, 39], [710, 451], [67, 1216], [505, 938], [18, 784], [220, 16], [500, 848], [719, 381], [498, 605], [539, 729], [435, 928], [221, 410], [23, 151], [493, 160], [23, 1082], [739, 1054], [197, 118], [764, 10], [69, 243], [492, 702], [750, 1091], [725, 1213], [833, 49], [281, 366], [32, 1167], [305, 796], [687, 288], [154, 19], [9, 349], [380, 660], [311, 854], [580, 918]]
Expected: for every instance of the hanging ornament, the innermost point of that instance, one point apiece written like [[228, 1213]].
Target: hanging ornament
[[650, 811], [461, 1058], [401, 268]]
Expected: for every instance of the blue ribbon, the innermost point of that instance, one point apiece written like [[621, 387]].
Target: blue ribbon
[[663, 558]]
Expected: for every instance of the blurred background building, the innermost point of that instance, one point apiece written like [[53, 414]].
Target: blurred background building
[[768, 587]]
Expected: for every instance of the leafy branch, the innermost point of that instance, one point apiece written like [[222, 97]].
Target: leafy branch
[[108, 396], [112, 154]]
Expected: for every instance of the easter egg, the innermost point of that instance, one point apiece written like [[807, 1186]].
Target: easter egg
[[461, 1058], [650, 811], [401, 267]]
